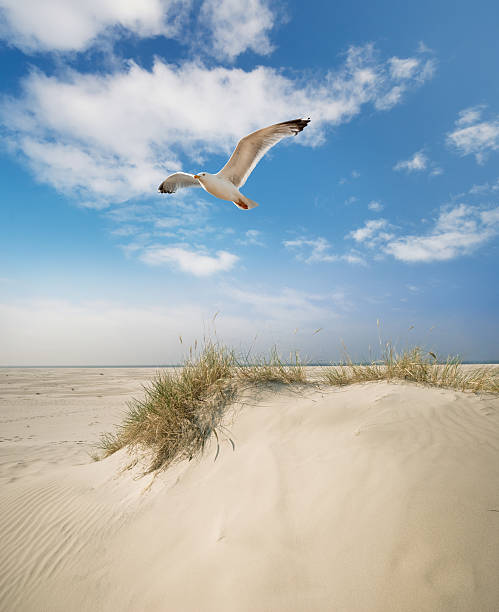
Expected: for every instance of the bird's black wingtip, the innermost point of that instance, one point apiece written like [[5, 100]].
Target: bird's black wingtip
[[297, 125], [166, 189]]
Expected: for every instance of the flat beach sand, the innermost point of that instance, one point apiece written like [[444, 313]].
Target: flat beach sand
[[374, 497]]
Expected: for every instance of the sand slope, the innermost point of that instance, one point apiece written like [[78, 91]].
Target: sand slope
[[377, 497]]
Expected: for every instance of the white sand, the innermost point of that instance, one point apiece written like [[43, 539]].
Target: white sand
[[377, 497]]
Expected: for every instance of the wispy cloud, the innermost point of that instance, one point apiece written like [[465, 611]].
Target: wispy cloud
[[485, 188], [351, 200], [355, 174], [318, 250], [473, 136], [470, 115], [311, 251], [187, 260], [296, 307], [402, 71], [375, 206], [106, 138], [419, 162], [413, 288], [403, 68], [416, 163], [458, 231], [372, 233], [353, 258], [436, 171], [252, 237]]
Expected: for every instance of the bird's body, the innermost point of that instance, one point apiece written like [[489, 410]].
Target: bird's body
[[224, 189], [248, 152]]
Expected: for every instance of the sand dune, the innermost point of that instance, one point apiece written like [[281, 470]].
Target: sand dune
[[376, 497]]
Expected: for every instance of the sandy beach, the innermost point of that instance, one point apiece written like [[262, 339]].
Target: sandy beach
[[374, 497]]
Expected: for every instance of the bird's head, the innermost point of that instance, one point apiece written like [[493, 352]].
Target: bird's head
[[200, 175]]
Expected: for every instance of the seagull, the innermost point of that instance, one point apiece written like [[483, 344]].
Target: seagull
[[249, 151]]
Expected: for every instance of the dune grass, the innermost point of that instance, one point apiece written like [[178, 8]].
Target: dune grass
[[418, 366], [183, 408], [271, 369], [180, 411]]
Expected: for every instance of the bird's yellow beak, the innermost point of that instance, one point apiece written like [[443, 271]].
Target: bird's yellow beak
[[196, 176]]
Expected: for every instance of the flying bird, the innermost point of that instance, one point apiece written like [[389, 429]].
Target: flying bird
[[249, 151]]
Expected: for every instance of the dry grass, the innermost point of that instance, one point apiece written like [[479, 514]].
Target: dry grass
[[272, 369], [417, 366], [183, 408]]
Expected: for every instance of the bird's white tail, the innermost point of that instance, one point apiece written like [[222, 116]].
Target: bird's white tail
[[245, 203]]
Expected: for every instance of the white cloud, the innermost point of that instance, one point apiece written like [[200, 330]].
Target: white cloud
[[351, 200], [73, 25], [375, 206], [411, 67], [390, 99], [490, 218], [114, 179], [62, 26], [318, 250], [198, 264], [469, 115], [458, 231], [355, 174], [238, 26], [474, 137], [112, 137], [403, 68], [370, 234], [422, 48], [401, 72], [416, 163], [485, 188], [311, 251], [353, 258], [139, 226]]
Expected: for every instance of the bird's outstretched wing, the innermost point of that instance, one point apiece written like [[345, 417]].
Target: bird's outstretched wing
[[177, 181], [252, 148]]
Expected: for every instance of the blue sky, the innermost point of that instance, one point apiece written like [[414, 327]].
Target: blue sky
[[386, 208]]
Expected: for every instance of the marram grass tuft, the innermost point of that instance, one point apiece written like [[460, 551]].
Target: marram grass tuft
[[180, 411], [418, 366]]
